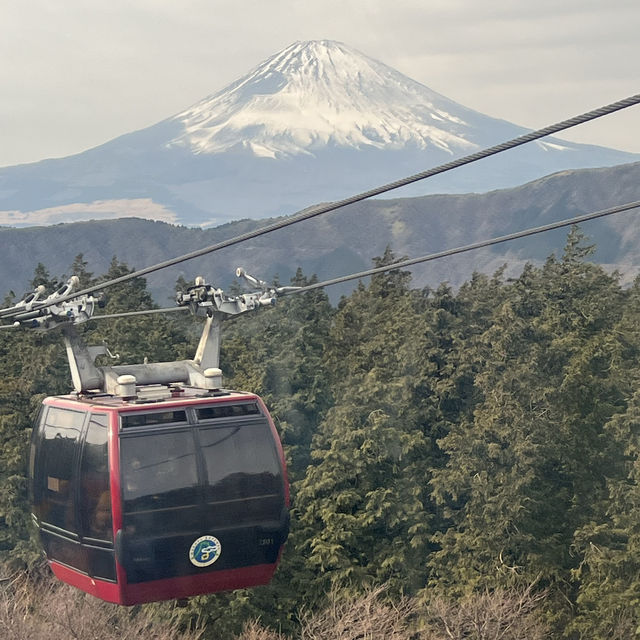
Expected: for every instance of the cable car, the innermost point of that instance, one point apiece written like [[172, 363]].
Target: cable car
[[155, 501], [152, 482]]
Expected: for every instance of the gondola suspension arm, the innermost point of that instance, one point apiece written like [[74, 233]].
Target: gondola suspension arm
[[216, 305], [201, 299]]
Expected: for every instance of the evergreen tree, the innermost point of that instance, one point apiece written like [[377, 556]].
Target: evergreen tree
[[79, 269], [156, 337], [41, 277], [609, 544], [276, 353], [526, 467], [363, 506], [466, 441]]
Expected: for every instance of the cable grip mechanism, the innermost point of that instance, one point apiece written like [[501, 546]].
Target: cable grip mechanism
[[205, 299], [43, 315]]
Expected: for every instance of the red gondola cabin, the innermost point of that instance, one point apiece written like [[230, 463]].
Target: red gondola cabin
[[143, 501]]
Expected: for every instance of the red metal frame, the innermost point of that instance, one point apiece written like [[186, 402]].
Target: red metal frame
[[168, 589]]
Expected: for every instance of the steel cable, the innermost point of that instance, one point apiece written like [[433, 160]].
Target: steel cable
[[332, 206], [475, 245], [428, 258]]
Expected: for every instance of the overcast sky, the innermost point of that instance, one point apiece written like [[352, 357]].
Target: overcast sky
[[77, 73]]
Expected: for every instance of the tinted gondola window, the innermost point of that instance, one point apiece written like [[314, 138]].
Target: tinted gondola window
[[36, 438], [54, 482], [95, 493], [137, 419], [158, 470], [241, 461], [227, 411]]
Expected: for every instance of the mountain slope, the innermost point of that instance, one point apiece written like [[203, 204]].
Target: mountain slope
[[345, 241], [317, 121]]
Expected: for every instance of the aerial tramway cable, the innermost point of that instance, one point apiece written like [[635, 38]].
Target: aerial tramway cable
[[471, 247], [412, 261], [332, 206], [446, 253]]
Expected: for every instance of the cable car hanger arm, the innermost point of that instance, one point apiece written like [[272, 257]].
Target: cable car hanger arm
[[201, 372], [60, 307]]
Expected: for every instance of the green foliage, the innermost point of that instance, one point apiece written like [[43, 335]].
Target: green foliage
[[41, 277], [528, 467], [464, 445], [156, 337], [609, 543], [364, 508], [278, 353]]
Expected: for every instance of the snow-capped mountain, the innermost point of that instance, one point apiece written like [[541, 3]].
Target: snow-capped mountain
[[318, 121], [320, 93]]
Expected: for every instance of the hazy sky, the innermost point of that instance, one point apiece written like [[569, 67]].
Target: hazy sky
[[77, 73]]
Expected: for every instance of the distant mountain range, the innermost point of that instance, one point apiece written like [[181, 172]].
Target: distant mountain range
[[345, 241], [317, 121]]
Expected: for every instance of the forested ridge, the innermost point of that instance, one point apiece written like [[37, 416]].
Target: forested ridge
[[334, 244], [448, 445]]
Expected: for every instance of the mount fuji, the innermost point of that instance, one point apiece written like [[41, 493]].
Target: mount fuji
[[317, 121]]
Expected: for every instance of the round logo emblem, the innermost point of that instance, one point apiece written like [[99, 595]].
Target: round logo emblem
[[205, 551]]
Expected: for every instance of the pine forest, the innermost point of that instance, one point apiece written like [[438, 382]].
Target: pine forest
[[463, 463]]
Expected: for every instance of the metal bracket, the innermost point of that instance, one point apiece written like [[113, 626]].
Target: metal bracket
[[216, 305], [201, 372], [43, 315], [204, 299]]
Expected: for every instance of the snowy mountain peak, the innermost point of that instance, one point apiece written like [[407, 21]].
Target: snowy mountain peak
[[322, 93], [318, 121]]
